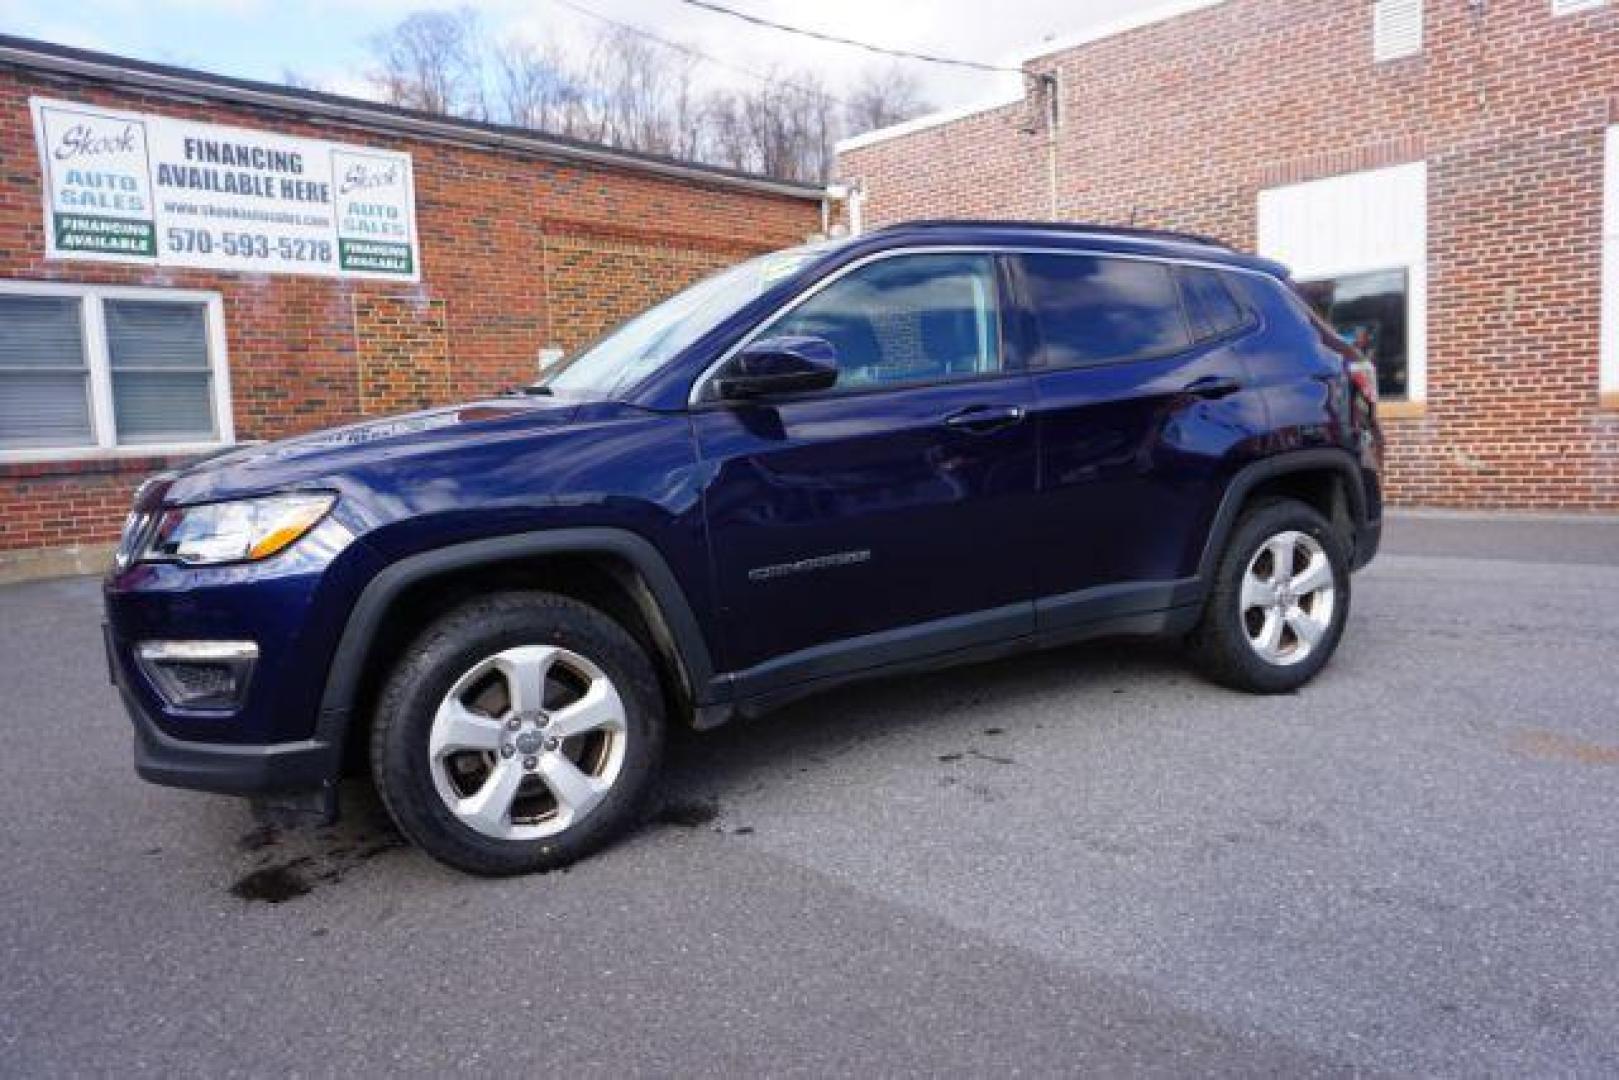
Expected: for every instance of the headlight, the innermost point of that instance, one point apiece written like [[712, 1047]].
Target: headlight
[[243, 531]]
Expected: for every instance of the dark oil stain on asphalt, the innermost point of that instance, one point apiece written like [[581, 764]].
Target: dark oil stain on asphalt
[[274, 884], [994, 731], [951, 757], [995, 758], [277, 882], [688, 815]]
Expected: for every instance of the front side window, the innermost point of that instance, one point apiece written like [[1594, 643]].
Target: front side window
[[1098, 310], [85, 369], [1369, 311], [905, 320], [634, 350]]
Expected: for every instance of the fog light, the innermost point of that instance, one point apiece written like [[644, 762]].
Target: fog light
[[199, 674]]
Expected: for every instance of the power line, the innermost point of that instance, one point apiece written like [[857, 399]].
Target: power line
[[904, 54], [699, 54]]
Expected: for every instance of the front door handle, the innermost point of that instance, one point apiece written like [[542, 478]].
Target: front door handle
[[983, 419], [1213, 386]]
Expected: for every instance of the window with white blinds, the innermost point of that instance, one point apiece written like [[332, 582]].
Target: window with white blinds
[[1569, 7], [1396, 29], [44, 378], [89, 369]]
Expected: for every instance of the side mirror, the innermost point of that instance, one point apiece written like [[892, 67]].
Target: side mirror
[[779, 365]]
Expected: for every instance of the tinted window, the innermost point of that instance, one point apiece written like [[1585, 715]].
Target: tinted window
[[1209, 304], [910, 319], [1092, 310], [1370, 312]]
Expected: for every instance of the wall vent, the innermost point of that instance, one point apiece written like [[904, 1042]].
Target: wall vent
[[1396, 29]]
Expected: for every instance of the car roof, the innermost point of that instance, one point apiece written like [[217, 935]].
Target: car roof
[[1076, 235]]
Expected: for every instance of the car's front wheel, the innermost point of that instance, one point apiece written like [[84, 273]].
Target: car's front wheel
[[1278, 603], [520, 732]]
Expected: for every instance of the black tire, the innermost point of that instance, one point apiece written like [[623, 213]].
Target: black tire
[[1220, 642], [427, 671]]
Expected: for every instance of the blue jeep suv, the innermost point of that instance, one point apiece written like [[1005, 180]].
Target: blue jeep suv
[[928, 445]]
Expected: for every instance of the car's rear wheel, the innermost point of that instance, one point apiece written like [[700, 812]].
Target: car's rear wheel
[[520, 732], [1279, 600]]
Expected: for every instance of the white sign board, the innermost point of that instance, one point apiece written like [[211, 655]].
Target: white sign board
[[133, 187]]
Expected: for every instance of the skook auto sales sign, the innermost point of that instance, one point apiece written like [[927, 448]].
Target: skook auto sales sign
[[132, 187]]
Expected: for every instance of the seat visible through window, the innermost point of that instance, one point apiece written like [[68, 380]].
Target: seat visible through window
[[908, 319]]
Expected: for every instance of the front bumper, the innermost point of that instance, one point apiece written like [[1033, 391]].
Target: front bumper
[[224, 768]]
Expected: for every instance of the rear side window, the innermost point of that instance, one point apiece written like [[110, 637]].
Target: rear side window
[[1098, 310], [1210, 307]]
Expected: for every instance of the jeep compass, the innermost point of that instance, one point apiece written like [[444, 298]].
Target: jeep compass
[[928, 445]]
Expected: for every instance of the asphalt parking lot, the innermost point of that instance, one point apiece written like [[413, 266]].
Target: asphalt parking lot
[[1080, 862]]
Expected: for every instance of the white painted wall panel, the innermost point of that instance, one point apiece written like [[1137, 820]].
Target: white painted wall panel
[[1610, 267], [1351, 224]]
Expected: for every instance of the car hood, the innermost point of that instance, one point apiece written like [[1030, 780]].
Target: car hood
[[323, 457]]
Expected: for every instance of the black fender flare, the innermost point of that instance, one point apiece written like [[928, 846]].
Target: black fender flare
[[1255, 473], [344, 675]]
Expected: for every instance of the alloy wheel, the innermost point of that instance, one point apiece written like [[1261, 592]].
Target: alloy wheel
[[528, 742], [1288, 598]]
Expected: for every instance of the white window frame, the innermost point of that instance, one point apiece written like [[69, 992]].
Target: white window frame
[[1569, 7], [1408, 251], [93, 327], [1609, 373]]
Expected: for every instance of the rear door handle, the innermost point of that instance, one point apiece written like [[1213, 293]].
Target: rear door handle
[[1213, 386], [983, 419]]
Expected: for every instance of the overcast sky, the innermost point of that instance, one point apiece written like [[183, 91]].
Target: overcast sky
[[326, 41]]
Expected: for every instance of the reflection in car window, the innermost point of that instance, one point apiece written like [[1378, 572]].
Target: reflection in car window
[[1209, 303], [1094, 310], [1371, 312], [908, 319], [635, 349]]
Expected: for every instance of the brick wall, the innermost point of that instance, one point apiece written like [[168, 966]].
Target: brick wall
[[404, 359], [309, 352], [1181, 123]]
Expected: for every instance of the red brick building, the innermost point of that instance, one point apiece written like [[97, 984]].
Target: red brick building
[[1443, 176], [128, 341]]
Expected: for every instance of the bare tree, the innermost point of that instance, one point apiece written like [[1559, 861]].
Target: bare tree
[[628, 90], [432, 61], [535, 87], [784, 127], [882, 97]]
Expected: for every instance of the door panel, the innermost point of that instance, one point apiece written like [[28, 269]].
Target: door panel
[[899, 504], [844, 516], [1138, 429]]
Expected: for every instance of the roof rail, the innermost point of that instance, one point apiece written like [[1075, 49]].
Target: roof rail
[[1170, 235]]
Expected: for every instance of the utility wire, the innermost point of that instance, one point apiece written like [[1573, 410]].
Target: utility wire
[[903, 54], [698, 54]]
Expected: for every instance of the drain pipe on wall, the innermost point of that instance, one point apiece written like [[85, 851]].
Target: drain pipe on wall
[[853, 198], [1053, 122], [1045, 113]]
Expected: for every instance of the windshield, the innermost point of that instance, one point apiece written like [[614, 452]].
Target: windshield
[[632, 350]]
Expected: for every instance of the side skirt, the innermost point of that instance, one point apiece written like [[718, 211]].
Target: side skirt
[[1167, 609]]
